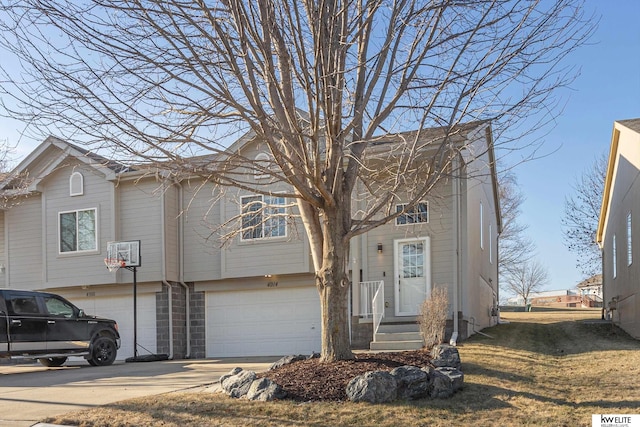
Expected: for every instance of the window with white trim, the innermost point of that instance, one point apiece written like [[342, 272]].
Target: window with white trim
[[78, 230], [263, 217], [614, 257], [629, 246], [262, 161], [76, 184], [415, 215]]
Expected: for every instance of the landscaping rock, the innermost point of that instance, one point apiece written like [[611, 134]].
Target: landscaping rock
[[287, 360], [446, 355], [373, 387], [412, 382], [441, 386], [265, 390], [237, 382], [455, 375]]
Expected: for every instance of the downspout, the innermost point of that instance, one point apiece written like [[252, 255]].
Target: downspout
[[455, 184], [181, 266], [163, 257]]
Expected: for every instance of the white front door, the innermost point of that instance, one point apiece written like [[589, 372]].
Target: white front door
[[412, 275]]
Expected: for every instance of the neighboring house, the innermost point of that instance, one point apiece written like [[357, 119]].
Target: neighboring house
[[619, 227], [555, 298], [255, 295], [591, 291]]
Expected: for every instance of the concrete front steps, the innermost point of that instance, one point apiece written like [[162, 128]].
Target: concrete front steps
[[397, 336]]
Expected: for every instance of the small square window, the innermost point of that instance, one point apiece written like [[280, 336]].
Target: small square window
[[415, 215]]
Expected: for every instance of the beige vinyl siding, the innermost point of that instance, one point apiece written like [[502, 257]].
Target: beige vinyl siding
[[24, 236], [171, 218], [82, 267], [259, 257], [141, 219], [200, 216], [439, 229]]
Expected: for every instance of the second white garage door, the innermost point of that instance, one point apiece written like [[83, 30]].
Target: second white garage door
[[270, 322]]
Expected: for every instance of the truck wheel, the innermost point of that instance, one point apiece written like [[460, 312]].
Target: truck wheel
[[52, 362], [103, 352]]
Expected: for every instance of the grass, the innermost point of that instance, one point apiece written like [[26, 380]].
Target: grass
[[547, 368]]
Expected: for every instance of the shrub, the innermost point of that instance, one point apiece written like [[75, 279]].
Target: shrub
[[433, 317]]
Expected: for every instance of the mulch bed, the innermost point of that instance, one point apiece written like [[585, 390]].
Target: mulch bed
[[312, 380]]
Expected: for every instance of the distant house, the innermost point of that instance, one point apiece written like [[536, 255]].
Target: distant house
[[555, 298], [256, 295], [591, 291], [619, 227]]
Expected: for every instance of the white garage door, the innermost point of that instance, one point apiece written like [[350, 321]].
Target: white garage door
[[120, 309], [270, 322]]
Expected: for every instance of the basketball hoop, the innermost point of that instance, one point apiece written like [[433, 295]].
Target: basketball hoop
[[113, 264]]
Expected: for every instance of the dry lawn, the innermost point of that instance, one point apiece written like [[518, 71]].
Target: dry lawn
[[543, 368]]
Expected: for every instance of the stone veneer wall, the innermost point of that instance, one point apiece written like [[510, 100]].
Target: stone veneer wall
[[197, 306]]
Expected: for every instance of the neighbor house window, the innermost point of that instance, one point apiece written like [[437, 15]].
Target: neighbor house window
[[614, 257], [415, 215], [78, 231], [629, 247], [76, 184], [263, 217]]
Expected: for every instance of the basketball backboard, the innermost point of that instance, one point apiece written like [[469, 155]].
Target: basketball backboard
[[127, 252]]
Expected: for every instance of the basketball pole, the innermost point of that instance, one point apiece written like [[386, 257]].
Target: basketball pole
[[135, 312]]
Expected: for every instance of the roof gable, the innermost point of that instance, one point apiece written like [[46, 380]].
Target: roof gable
[[37, 165]]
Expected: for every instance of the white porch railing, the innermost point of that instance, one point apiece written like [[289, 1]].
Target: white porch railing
[[372, 302], [367, 292], [378, 308]]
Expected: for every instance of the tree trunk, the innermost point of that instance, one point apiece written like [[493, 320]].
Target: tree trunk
[[333, 285]]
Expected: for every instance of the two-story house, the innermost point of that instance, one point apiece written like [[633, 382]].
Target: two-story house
[[619, 227], [255, 294]]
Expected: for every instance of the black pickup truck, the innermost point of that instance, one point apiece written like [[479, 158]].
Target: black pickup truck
[[47, 327]]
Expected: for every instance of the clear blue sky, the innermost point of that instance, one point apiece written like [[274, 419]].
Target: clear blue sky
[[607, 89]]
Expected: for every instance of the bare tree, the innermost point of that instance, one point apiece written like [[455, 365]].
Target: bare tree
[[581, 213], [316, 82], [515, 247], [526, 278]]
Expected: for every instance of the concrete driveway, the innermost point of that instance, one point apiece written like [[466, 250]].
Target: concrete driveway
[[31, 392]]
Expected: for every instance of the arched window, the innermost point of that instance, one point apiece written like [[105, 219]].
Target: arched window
[[76, 184], [262, 161]]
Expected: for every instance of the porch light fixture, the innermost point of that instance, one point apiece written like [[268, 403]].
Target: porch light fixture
[[379, 248]]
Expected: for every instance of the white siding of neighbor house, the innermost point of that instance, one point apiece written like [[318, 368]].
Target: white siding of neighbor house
[[624, 198], [24, 250], [141, 219], [71, 269]]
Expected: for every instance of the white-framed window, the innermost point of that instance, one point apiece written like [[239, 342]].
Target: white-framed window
[[263, 217], [415, 215], [481, 226], [76, 184], [263, 161], [629, 246], [78, 230], [614, 257]]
